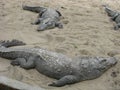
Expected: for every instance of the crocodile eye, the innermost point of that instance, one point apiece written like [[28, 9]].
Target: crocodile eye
[[46, 22], [103, 61], [49, 23]]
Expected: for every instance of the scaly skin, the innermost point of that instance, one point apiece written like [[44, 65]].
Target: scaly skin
[[48, 18], [56, 65], [115, 16]]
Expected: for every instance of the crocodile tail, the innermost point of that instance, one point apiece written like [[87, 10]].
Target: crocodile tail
[[33, 9], [11, 43], [110, 12]]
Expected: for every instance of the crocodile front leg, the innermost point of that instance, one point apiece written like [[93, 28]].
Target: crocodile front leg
[[69, 79], [59, 25], [36, 22], [117, 26]]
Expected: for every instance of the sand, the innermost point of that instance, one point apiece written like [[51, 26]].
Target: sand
[[87, 31]]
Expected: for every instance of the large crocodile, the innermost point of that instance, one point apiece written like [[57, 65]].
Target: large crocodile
[[115, 16], [56, 65], [48, 18]]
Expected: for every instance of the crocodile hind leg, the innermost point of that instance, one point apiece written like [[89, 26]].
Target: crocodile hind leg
[[117, 26], [26, 64], [69, 79], [113, 17]]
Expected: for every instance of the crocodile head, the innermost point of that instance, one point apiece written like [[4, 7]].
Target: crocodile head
[[46, 24], [106, 63]]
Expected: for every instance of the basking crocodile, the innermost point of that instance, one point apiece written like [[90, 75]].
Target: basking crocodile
[[48, 18], [56, 65], [115, 16]]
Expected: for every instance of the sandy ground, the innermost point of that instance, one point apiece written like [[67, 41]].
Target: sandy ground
[[89, 32]]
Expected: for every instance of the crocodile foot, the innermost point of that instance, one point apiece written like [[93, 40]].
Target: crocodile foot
[[15, 63]]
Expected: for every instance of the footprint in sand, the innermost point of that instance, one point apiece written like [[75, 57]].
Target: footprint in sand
[[49, 38], [61, 50], [113, 53], [52, 38], [60, 39], [84, 52]]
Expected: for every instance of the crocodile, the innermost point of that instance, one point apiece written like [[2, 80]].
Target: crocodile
[[115, 16], [48, 18], [56, 65]]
